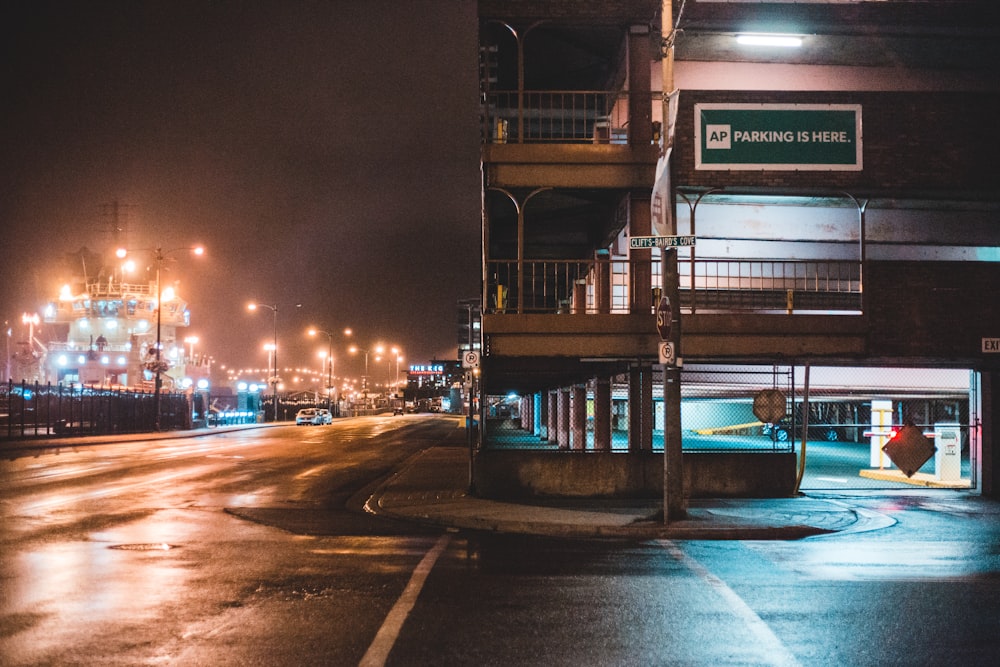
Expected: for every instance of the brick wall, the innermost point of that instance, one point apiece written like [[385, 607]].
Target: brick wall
[[936, 310]]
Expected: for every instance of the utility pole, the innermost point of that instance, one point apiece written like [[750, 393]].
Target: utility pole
[[674, 504]]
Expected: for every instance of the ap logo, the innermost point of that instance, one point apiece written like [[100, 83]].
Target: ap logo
[[718, 136]]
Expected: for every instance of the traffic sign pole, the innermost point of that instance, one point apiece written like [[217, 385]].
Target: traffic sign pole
[[673, 472]]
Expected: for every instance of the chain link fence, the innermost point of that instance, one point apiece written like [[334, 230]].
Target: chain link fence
[[843, 415]]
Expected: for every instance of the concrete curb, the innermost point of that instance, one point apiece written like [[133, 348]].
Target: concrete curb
[[42, 442], [429, 490]]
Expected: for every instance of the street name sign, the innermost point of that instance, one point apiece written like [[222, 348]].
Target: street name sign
[[640, 242], [778, 137]]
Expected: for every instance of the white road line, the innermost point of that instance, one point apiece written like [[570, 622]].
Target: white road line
[[766, 639], [386, 637]]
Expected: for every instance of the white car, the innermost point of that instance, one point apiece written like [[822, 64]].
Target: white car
[[323, 416], [307, 417]]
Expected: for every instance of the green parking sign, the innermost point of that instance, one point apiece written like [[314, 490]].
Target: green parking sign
[[781, 137]]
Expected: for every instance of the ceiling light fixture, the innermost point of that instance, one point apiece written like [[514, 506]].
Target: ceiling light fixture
[[761, 39]]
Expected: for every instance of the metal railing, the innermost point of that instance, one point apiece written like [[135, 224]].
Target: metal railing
[[563, 116], [604, 285], [771, 284], [37, 410]]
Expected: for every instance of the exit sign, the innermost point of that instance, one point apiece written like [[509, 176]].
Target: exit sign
[[991, 346]]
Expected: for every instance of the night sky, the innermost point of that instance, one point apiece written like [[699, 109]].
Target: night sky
[[325, 152]]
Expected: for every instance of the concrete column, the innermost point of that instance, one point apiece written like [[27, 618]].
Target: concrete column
[[580, 296], [579, 416], [634, 408], [562, 432], [640, 105], [602, 414], [640, 408], [647, 408], [538, 414], [525, 418], [602, 282], [641, 269], [988, 433], [552, 433]]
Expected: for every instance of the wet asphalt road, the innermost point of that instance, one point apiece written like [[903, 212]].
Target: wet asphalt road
[[248, 548]]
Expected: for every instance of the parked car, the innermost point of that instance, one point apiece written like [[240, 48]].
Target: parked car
[[782, 431], [397, 409], [323, 416], [307, 417]]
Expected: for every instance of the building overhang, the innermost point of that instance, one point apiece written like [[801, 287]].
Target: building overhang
[[570, 165]]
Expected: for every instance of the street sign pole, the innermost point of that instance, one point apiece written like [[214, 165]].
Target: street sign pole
[[673, 473]]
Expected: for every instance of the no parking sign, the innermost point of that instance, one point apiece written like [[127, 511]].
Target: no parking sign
[[470, 359]]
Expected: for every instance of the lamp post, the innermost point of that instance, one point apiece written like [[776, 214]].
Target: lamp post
[[364, 378], [274, 378], [32, 320], [191, 341], [397, 354], [329, 357], [159, 254], [10, 332]]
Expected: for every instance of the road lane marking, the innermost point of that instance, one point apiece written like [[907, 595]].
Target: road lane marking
[[386, 636], [766, 639]]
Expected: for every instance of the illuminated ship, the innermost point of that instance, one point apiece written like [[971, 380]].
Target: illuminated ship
[[106, 326]]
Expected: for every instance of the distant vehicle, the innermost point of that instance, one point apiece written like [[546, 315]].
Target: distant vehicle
[[397, 410], [323, 416], [307, 417]]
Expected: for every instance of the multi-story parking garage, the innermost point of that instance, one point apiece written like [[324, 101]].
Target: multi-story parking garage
[[839, 190]]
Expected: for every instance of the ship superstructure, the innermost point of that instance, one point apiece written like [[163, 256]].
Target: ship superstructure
[[110, 324], [105, 322]]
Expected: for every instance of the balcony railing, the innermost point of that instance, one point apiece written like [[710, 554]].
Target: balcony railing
[[719, 285], [559, 116]]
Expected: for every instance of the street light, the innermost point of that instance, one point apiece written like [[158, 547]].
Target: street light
[[159, 254], [329, 356], [32, 320], [252, 306], [10, 332], [399, 358], [191, 340], [354, 349]]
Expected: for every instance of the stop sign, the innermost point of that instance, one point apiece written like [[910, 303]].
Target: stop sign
[[664, 315]]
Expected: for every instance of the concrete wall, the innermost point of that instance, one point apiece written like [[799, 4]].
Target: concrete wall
[[513, 475]]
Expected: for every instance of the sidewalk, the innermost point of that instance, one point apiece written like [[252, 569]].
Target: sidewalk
[[433, 489]]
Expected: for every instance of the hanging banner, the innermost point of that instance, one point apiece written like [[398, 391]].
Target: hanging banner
[[778, 137], [661, 204]]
